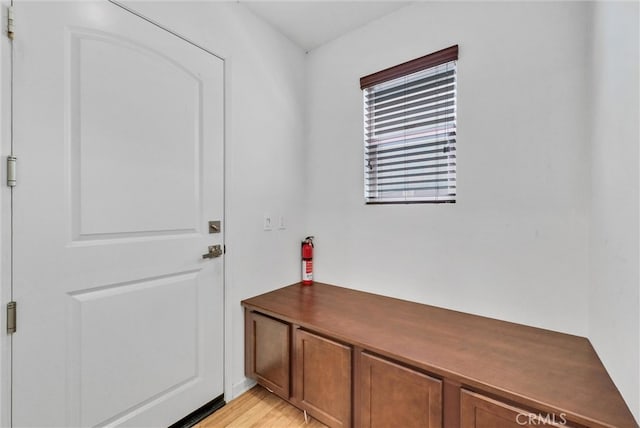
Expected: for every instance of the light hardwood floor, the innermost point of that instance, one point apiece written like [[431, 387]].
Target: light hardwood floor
[[258, 408]]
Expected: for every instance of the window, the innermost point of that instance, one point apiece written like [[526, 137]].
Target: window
[[410, 131]]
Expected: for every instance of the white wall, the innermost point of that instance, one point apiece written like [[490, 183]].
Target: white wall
[[265, 78], [514, 246], [614, 306]]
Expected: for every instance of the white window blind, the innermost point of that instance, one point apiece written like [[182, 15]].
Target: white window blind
[[410, 132]]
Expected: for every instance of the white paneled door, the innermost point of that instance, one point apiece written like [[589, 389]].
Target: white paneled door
[[118, 131]]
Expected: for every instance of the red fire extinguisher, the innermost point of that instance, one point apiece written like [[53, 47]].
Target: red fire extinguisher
[[307, 261]]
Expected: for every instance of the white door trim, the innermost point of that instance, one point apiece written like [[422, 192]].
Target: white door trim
[[5, 218], [163, 27]]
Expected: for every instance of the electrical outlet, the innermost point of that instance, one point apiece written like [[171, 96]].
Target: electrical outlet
[[267, 222]]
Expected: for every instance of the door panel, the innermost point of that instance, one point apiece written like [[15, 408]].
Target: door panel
[[118, 129], [394, 395], [267, 343], [323, 378], [152, 325], [110, 141], [479, 411]]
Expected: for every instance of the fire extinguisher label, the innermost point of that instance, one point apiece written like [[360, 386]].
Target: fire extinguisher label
[[307, 270]]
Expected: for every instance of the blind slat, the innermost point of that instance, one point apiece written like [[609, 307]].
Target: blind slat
[[443, 115], [409, 161], [416, 188], [436, 168], [436, 88], [445, 179], [383, 150], [419, 105], [431, 134], [411, 155], [415, 126], [405, 175], [409, 88]]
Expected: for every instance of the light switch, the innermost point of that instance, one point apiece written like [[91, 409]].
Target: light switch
[[268, 223]]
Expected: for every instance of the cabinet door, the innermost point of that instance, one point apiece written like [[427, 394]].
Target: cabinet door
[[392, 395], [478, 411], [268, 352], [323, 378]]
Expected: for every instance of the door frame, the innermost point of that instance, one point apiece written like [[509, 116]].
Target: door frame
[[6, 143], [6, 291]]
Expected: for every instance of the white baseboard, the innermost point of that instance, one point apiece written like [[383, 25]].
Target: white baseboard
[[242, 387]]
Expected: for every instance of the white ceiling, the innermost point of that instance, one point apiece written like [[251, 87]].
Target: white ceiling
[[310, 24]]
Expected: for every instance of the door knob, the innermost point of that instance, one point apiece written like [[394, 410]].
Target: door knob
[[214, 251]]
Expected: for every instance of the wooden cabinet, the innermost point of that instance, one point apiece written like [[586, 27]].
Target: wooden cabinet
[[267, 353], [354, 358], [479, 411], [393, 395], [322, 378]]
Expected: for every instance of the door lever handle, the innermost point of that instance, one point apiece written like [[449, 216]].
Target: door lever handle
[[214, 251]]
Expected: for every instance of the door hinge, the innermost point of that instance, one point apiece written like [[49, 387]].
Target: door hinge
[[11, 317], [11, 171], [10, 23]]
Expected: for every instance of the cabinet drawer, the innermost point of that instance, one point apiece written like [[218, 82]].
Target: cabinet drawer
[[323, 378], [268, 352], [394, 395], [479, 411]]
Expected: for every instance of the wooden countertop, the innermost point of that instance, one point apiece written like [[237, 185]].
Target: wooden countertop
[[549, 371]]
